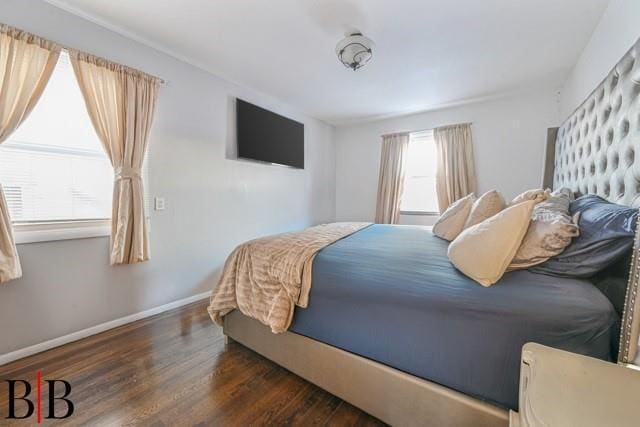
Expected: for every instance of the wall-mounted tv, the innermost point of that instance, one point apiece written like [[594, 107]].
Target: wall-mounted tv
[[268, 137]]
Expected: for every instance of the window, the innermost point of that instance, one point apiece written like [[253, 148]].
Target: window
[[419, 194], [57, 178]]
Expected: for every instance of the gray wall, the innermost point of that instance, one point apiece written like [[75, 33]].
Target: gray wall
[[509, 136], [213, 203]]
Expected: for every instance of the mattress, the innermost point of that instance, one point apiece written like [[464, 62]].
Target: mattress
[[390, 294]]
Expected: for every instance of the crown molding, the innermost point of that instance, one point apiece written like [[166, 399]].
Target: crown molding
[[131, 35]]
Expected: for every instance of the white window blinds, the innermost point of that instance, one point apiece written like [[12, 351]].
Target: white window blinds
[[53, 167], [419, 194]]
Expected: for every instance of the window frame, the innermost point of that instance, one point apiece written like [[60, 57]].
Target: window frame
[[55, 230], [25, 232], [51, 231], [419, 213]]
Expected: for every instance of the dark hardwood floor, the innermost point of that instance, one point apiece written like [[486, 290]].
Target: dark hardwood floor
[[174, 369]]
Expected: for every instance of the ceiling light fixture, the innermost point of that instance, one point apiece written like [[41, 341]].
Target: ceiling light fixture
[[354, 51]]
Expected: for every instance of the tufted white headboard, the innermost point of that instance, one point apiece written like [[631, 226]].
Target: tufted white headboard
[[597, 151], [598, 146]]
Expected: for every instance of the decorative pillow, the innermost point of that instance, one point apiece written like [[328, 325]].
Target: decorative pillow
[[607, 231], [550, 231], [489, 204], [451, 222], [560, 199], [538, 196], [484, 250]]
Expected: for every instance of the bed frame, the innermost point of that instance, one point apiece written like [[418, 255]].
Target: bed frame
[[388, 394], [593, 152]]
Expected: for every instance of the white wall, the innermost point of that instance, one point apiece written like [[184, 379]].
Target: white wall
[[616, 32], [213, 203], [509, 136]]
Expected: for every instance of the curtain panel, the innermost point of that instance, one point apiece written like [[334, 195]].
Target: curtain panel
[[391, 178], [121, 103], [26, 64], [455, 174]]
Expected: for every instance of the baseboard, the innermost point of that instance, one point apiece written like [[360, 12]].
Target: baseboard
[[75, 336]]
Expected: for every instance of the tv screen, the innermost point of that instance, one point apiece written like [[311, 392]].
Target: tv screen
[[268, 137]]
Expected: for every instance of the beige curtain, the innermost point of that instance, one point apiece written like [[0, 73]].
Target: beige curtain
[[391, 178], [121, 103], [26, 64], [455, 174]]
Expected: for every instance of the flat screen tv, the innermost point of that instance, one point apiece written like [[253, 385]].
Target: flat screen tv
[[268, 137]]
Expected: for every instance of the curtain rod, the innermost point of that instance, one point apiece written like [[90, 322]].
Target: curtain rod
[[424, 130], [163, 82]]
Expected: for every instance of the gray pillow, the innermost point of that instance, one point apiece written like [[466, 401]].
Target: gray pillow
[[607, 231]]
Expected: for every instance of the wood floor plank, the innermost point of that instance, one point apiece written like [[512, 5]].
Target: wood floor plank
[[174, 369]]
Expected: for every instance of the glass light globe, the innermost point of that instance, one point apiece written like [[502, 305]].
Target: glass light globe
[[354, 51]]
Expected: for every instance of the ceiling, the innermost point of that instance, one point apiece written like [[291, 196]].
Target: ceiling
[[428, 53]]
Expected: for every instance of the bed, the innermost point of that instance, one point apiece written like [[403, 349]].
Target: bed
[[394, 329], [390, 294]]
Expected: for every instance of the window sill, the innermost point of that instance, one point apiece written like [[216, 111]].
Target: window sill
[[420, 213], [54, 231]]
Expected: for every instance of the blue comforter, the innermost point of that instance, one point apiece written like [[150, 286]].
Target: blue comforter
[[389, 293]]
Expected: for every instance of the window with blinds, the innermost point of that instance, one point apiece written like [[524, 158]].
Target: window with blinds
[[53, 167], [419, 194]]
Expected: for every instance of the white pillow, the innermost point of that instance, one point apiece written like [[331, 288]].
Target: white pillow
[[539, 195], [483, 252], [489, 204], [451, 222]]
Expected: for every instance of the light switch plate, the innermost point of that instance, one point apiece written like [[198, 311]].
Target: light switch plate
[[159, 203]]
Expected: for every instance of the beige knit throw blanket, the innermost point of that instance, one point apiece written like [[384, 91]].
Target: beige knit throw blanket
[[267, 277]]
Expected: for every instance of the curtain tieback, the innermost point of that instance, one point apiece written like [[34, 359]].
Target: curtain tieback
[[126, 172]]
